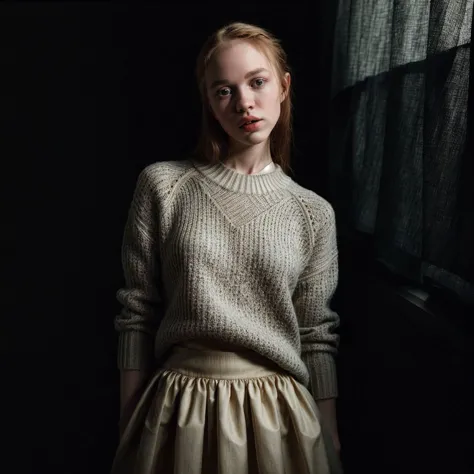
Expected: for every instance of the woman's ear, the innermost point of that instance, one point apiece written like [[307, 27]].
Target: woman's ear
[[285, 86]]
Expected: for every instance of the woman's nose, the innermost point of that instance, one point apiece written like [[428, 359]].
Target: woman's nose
[[244, 101]]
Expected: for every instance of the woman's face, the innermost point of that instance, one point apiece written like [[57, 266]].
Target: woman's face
[[241, 82]]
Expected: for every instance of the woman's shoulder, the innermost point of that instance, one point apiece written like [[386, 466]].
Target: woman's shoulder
[[314, 203], [166, 169], [318, 211], [158, 180], [164, 174]]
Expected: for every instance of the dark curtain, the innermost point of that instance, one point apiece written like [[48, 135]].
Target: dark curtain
[[401, 153]]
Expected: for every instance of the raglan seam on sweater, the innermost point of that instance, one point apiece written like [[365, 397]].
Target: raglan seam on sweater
[[311, 232]]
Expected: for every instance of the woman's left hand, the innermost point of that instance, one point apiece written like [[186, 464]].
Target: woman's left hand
[[336, 443], [327, 409]]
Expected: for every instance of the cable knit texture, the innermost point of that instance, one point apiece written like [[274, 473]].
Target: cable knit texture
[[213, 254]]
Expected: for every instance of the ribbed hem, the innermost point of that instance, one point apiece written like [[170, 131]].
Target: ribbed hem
[[135, 350], [322, 373], [230, 179]]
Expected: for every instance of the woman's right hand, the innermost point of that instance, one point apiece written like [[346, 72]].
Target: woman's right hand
[[132, 383]]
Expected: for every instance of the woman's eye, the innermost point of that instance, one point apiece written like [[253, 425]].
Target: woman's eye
[[223, 92], [226, 91]]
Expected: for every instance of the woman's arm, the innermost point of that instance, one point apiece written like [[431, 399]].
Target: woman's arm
[[318, 323], [132, 383], [140, 297], [327, 408]]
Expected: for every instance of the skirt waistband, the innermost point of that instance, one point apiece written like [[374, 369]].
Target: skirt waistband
[[215, 364]]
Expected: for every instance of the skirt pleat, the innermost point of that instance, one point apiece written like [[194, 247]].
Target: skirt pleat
[[213, 412]]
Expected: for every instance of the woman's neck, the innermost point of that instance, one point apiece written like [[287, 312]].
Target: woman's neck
[[248, 161]]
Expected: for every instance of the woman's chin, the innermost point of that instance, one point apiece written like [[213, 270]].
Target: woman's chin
[[253, 139]]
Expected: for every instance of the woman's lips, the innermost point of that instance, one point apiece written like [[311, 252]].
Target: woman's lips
[[251, 127]]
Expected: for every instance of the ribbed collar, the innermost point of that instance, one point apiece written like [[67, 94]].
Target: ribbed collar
[[232, 180]]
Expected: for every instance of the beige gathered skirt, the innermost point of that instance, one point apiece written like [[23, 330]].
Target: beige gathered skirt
[[215, 412]]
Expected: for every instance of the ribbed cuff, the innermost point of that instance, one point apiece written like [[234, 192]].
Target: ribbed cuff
[[135, 350], [322, 372]]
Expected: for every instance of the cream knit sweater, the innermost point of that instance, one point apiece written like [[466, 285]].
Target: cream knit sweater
[[250, 260]]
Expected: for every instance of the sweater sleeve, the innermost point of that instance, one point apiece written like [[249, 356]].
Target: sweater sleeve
[[140, 298], [311, 299]]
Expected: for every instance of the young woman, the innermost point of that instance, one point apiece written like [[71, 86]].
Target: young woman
[[226, 338]]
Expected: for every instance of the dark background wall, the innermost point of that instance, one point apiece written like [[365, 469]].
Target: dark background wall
[[84, 95]]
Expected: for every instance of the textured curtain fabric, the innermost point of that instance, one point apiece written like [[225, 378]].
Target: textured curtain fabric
[[400, 158]]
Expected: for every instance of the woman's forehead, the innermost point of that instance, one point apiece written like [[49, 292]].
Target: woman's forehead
[[237, 59]]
